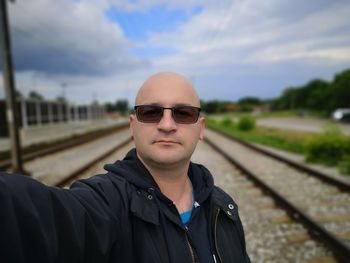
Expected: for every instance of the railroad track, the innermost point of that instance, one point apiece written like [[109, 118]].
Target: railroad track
[[272, 236], [95, 166], [320, 202], [330, 224], [54, 168], [61, 145]]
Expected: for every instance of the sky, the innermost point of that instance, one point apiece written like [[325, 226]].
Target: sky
[[104, 49]]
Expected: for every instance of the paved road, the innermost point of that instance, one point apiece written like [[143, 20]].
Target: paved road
[[303, 124]]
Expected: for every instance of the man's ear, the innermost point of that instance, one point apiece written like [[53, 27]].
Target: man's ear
[[202, 127]]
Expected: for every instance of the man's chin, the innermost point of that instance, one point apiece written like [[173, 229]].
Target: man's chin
[[167, 159], [165, 156]]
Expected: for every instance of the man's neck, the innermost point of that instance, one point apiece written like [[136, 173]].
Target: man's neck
[[174, 184]]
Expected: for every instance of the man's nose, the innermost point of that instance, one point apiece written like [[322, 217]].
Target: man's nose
[[167, 123]]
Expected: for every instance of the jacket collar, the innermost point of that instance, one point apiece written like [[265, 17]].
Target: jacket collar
[[147, 193], [225, 203], [142, 205]]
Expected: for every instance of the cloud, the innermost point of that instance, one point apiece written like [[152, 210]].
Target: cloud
[[236, 46], [68, 37], [146, 5], [257, 47], [75, 37], [259, 32]]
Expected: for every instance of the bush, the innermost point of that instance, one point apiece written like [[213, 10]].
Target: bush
[[227, 122], [328, 149], [344, 165], [246, 123]]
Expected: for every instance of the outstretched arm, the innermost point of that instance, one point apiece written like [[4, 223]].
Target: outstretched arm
[[47, 224]]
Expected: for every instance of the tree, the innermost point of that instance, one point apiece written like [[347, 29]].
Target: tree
[[61, 99], [247, 103], [289, 99], [122, 106], [340, 91], [18, 94], [316, 94], [35, 95], [249, 100], [110, 107], [214, 106]]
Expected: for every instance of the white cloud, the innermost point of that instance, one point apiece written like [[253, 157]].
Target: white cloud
[[69, 37], [243, 32], [227, 42]]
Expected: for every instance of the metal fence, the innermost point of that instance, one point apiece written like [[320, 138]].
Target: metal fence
[[37, 112]]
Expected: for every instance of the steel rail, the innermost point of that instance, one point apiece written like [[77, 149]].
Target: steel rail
[[65, 144], [74, 174], [342, 185], [339, 248]]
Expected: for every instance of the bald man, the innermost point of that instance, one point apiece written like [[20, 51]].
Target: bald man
[[153, 206]]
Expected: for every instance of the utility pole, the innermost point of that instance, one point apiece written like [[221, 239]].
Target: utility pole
[[9, 82]]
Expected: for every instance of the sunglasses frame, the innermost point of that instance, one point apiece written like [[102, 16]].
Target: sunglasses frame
[[172, 113]]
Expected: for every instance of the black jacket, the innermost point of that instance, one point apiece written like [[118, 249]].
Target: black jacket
[[120, 216]]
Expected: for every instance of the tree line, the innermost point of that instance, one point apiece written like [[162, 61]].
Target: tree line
[[316, 95]]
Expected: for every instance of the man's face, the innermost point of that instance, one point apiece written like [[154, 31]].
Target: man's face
[[166, 143]]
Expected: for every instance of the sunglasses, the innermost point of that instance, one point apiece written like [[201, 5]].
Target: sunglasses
[[154, 113]]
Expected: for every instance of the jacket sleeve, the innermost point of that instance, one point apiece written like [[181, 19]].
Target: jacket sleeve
[[48, 224]]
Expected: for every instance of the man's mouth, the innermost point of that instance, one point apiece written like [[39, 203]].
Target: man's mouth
[[166, 142]]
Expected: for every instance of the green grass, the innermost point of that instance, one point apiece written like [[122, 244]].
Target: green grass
[[275, 114], [237, 115], [292, 141], [329, 148]]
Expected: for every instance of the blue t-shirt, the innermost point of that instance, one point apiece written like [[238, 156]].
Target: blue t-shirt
[[198, 230], [185, 216]]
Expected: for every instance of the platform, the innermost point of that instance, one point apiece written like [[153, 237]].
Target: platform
[[54, 132]]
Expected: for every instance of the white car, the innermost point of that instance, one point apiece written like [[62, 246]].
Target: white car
[[341, 115]]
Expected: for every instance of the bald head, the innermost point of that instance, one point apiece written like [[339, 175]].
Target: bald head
[[167, 87], [164, 143]]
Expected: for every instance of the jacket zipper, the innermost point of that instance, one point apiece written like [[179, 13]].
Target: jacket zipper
[[191, 249], [215, 236]]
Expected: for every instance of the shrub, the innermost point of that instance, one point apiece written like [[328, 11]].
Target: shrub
[[328, 149], [246, 123], [227, 122], [344, 165]]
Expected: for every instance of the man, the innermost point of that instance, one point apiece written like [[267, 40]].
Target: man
[[153, 206]]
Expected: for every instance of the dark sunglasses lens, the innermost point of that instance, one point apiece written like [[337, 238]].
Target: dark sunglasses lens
[[149, 113], [185, 114]]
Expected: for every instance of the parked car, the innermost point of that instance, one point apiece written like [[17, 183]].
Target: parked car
[[341, 115]]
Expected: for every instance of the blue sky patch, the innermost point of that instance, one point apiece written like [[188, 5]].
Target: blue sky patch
[[137, 25], [153, 52]]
